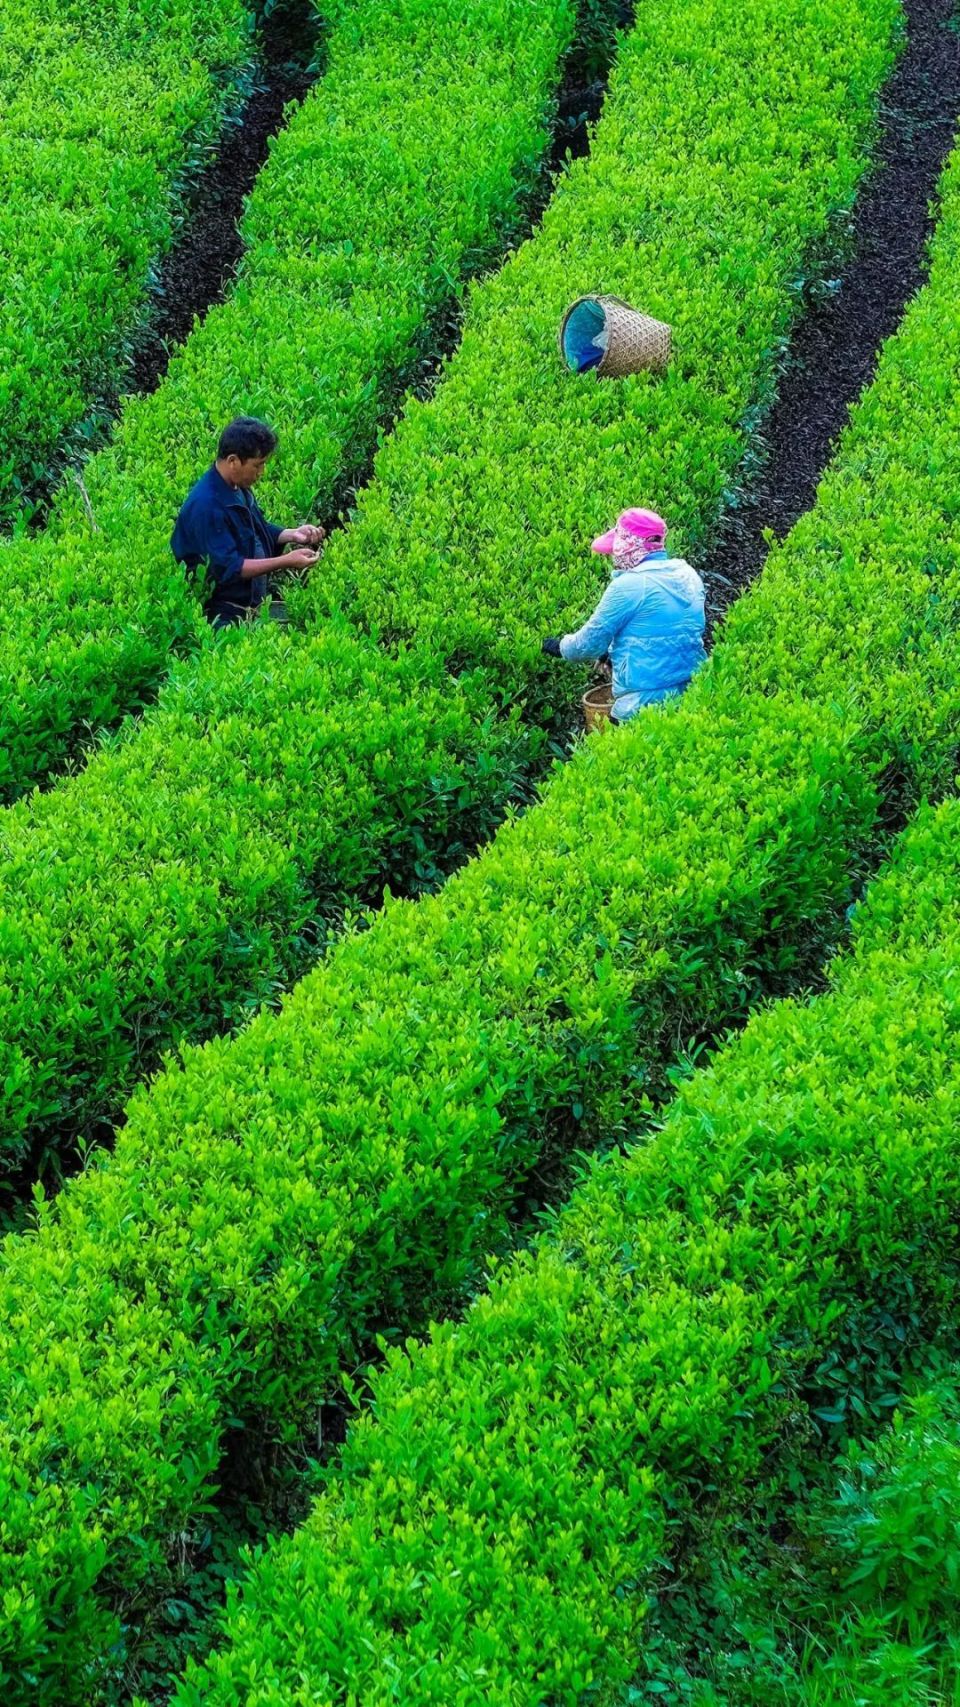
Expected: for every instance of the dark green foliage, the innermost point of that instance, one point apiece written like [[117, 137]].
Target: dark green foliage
[[830, 1582]]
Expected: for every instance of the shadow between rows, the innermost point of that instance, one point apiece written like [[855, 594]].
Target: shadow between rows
[[833, 353], [200, 270], [420, 867]]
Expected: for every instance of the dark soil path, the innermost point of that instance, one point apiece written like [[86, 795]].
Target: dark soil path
[[580, 95], [197, 271], [585, 76], [834, 350]]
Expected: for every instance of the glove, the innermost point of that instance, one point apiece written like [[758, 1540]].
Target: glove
[[551, 646]]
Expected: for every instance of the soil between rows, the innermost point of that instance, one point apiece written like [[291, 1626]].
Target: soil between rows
[[196, 273], [836, 344]]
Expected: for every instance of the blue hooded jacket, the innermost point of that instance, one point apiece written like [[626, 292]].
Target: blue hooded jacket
[[650, 621]]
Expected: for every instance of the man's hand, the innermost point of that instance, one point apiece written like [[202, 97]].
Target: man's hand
[[551, 646], [305, 535], [301, 559]]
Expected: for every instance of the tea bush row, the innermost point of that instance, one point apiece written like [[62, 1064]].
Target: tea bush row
[[402, 172], [107, 111], [346, 1163], [517, 1481], [172, 884]]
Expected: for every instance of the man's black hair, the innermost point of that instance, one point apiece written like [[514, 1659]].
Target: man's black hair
[[246, 437]]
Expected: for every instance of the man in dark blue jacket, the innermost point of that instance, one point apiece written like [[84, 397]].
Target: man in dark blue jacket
[[222, 527]]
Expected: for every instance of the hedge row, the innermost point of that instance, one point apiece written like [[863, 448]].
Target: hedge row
[[336, 764], [517, 1480], [90, 174], [398, 175], [346, 1163]]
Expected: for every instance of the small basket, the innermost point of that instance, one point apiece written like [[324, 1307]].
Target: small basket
[[597, 706], [605, 335]]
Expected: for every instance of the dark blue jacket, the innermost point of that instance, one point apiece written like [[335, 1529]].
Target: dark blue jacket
[[219, 527]]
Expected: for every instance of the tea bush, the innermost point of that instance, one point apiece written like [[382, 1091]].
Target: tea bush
[[107, 111], [346, 1162], [515, 1482], [398, 175], [503, 478]]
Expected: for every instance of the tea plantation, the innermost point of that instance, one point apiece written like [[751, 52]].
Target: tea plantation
[[479, 1198]]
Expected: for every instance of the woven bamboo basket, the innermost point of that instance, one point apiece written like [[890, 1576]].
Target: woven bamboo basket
[[635, 342], [597, 705]]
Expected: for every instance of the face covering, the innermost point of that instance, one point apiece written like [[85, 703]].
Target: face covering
[[629, 550]]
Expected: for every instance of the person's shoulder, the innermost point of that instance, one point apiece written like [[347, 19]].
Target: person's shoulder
[[685, 570], [209, 490], [194, 493], [625, 586]]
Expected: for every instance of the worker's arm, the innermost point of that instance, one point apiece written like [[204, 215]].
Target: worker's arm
[[305, 533], [307, 538], [218, 542], [595, 638], [251, 567]]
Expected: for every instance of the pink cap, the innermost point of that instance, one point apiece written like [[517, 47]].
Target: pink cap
[[643, 524]]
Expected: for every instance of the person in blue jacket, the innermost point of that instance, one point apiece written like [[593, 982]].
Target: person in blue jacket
[[222, 527], [649, 621]]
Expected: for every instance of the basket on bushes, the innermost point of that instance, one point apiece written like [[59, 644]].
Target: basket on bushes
[[597, 706], [605, 335]]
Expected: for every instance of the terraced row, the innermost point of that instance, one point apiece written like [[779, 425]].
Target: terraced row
[[397, 177], [106, 111], [347, 1162], [169, 887], [517, 1482]]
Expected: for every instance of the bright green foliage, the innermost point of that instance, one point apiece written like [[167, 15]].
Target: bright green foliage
[[103, 109], [870, 1668], [346, 1162], [504, 1501], [509, 444], [706, 206], [398, 176], [336, 1166], [189, 903]]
